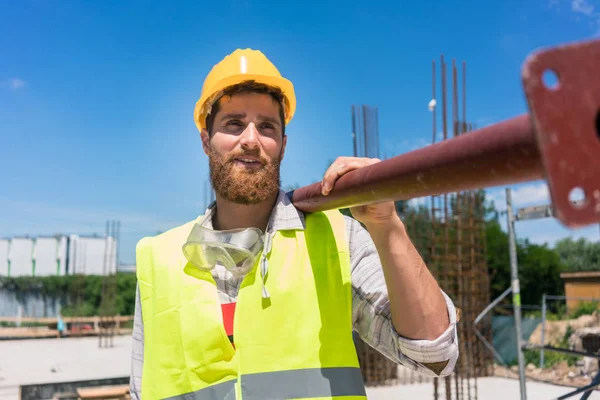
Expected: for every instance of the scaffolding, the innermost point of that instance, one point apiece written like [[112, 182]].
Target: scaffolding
[[108, 322], [78, 290]]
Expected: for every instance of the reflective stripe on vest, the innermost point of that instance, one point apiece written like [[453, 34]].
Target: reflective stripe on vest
[[296, 344], [296, 384], [221, 391]]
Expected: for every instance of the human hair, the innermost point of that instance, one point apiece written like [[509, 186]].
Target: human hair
[[249, 86]]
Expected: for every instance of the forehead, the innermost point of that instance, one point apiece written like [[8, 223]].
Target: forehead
[[248, 103]]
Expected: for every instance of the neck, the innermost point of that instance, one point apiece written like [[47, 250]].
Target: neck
[[231, 215]]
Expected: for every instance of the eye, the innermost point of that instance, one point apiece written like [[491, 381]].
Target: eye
[[234, 126], [234, 122], [267, 126]]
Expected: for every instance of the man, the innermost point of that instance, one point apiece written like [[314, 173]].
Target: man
[[258, 300]]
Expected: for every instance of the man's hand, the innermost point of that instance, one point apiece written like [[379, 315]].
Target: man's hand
[[417, 304], [372, 214]]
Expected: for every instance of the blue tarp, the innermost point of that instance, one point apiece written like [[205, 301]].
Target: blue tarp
[[504, 336]]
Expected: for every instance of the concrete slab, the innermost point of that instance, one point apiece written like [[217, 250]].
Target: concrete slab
[[71, 359], [58, 360], [490, 388]]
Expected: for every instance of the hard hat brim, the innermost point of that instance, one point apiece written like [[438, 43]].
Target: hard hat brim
[[201, 110]]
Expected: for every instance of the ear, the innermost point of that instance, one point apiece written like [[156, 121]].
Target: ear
[[205, 141], [283, 143]]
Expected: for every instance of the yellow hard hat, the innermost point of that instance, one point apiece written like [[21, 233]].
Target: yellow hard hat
[[239, 66]]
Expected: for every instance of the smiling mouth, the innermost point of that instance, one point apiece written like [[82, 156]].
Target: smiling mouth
[[247, 162]]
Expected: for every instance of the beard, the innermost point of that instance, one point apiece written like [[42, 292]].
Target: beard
[[247, 187]]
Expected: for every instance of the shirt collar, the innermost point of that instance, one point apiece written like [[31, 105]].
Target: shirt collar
[[284, 215]]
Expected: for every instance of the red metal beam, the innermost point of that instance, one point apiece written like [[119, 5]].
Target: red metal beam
[[559, 141]]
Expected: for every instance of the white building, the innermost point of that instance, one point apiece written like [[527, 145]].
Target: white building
[[57, 255]]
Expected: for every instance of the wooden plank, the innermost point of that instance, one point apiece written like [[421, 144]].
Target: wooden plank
[[104, 392], [120, 318], [49, 333]]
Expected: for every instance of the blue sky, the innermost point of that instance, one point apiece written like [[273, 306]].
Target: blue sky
[[97, 98]]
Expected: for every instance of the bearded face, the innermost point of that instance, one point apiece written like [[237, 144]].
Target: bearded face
[[244, 184], [245, 148]]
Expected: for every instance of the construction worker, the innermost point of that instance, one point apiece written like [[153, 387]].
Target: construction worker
[[257, 300]]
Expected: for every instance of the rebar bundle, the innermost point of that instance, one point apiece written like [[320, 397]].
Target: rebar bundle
[[78, 288], [377, 370], [457, 256], [108, 307]]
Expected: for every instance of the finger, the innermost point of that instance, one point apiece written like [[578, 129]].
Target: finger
[[342, 166], [334, 165]]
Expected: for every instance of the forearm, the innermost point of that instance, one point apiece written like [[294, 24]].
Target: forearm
[[417, 305]]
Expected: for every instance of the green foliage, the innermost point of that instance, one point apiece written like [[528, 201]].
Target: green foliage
[[539, 270], [556, 311], [579, 255], [497, 258], [66, 289], [552, 357], [539, 265], [584, 308]]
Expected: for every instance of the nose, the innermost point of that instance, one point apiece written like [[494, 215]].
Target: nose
[[249, 137]]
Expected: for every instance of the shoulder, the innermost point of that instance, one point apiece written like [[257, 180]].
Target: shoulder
[[174, 237]]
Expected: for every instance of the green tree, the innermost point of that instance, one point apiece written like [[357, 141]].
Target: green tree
[[497, 257], [540, 269], [539, 266], [579, 255]]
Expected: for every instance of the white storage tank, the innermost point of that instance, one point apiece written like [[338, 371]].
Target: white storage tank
[[4, 243], [49, 254], [20, 253], [91, 255]]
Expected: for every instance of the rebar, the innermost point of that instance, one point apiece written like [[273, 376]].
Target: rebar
[[108, 324], [456, 256], [377, 370]]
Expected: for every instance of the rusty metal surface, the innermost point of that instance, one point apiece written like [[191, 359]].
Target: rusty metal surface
[[567, 120], [499, 154]]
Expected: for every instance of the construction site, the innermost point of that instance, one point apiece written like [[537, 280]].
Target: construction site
[[74, 341]]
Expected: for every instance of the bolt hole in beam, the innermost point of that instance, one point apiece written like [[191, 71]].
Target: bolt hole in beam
[[550, 79], [577, 197]]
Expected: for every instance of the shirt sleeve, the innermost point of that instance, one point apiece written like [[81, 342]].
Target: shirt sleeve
[[372, 315], [137, 352]]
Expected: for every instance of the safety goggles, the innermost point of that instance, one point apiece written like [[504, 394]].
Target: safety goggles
[[235, 249]]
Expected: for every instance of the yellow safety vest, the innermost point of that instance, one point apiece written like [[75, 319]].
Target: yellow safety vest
[[297, 344]]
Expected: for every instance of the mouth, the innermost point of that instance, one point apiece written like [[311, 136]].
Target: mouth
[[247, 162]]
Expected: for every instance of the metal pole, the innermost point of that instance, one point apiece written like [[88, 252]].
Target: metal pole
[[444, 121], [502, 154], [543, 329], [516, 292], [434, 133], [482, 314], [354, 132], [364, 121], [376, 123]]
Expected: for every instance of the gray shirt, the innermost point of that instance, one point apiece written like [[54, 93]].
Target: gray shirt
[[370, 304]]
